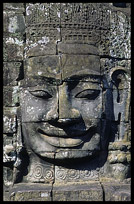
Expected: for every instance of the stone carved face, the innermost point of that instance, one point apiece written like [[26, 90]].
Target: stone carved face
[[61, 105]]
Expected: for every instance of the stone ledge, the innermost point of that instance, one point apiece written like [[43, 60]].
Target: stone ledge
[[87, 191], [81, 191], [31, 192]]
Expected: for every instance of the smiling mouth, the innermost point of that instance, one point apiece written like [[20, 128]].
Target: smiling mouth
[[64, 133], [62, 138]]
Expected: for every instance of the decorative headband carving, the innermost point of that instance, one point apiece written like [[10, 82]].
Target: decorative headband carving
[[69, 21]]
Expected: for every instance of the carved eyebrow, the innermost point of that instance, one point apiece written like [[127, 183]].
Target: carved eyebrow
[[54, 81], [49, 80], [96, 78]]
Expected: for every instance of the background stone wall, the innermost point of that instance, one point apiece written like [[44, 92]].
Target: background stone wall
[[20, 37]]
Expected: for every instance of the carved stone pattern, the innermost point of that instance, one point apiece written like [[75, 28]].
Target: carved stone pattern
[[76, 20], [41, 173], [73, 174]]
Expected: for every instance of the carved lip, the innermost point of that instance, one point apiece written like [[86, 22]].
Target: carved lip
[[65, 142], [57, 132], [64, 137]]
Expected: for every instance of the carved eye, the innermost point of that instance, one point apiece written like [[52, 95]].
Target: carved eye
[[41, 94], [88, 94]]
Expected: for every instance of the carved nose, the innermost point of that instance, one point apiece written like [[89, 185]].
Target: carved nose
[[67, 113], [52, 114]]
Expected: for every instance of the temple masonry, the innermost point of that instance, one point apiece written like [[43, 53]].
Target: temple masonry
[[66, 101]]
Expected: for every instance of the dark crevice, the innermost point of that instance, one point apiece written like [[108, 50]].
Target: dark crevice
[[121, 5], [53, 180], [103, 191], [56, 48], [116, 58]]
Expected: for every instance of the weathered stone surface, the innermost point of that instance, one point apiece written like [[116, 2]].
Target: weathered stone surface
[[77, 49], [12, 73], [115, 172], [108, 63], [70, 62], [11, 96], [14, 23], [77, 172], [115, 41], [12, 49], [67, 134], [9, 155], [7, 176], [119, 157], [120, 145], [121, 105], [40, 47], [10, 125], [30, 192], [47, 66], [78, 192], [39, 171], [117, 192], [17, 7], [48, 15], [118, 47], [37, 96], [80, 98]]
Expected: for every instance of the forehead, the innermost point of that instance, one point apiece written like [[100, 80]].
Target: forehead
[[71, 62]]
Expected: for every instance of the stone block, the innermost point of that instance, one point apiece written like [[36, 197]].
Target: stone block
[[115, 41], [70, 62], [39, 46], [40, 171], [9, 154], [117, 171], [12, 49], [46, 23], [31, 192], [7, 176], [17, 7], [117, 192], [7, 139], [43, 15], [10, 96], [9, 124], [120, 145], [76, 173], [47, 66], [13, 22], [120, 35], [77, 49], [119, 157], [78, 192], [12, 73]]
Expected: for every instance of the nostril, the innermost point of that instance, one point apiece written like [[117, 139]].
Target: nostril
[[67, 120], [52, 115], [75, 114]]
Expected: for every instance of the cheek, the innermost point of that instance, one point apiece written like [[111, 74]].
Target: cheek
[[32, 109], [33, 140], [89, 109]]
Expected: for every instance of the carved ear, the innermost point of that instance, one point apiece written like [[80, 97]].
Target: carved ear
[[120, 82]]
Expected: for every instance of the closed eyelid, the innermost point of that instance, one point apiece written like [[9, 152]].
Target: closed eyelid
[[88, 93], [40, 94]]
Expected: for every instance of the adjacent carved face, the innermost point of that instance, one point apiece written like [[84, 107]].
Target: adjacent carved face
[[61, 105]]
